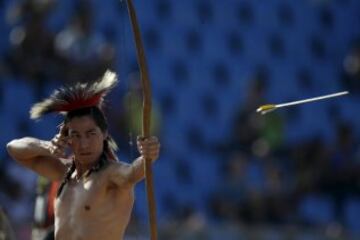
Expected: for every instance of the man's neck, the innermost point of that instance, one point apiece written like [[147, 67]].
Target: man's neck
[[82, 168]]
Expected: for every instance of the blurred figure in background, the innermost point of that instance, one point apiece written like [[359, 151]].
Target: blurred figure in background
[[6, 232], [252, 132], [126, 121], [44, 209], [227, 202], [351, 72], [342, 174], [85, 53], [32, 54]]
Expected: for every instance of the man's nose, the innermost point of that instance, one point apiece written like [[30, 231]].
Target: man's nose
[[84, 143]]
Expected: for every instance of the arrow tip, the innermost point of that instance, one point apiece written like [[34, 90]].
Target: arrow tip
[[266, 108]]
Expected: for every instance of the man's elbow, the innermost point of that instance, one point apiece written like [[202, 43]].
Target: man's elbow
[[12, 148]]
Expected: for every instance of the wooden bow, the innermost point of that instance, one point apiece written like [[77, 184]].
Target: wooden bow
[[146, 89]]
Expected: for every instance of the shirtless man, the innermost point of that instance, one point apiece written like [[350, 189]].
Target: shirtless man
[[96, 196]]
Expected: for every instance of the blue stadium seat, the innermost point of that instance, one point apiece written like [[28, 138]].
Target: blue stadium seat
[[173, 42], [255, 176], [206, 172], [45, 128], [312, 122], [214, 44], [226, 232], [184, 13], [272, 234], [107, 14], [61, 15], [8, 132], [282, 85], [18, 98], [5, 30], [352, 215], [347, 106], [316, 121], [307, 236], [316, 209], [140, 205], [160, 73]]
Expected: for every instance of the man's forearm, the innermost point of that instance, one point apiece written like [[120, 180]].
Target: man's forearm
[[28, 147], [149, 149], [35, 154], [138, 169]]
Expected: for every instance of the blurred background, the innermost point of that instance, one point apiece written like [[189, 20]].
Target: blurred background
[[225, 172]]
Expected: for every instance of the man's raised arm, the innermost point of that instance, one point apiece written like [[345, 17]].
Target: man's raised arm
[[134, 172], [43, 157]]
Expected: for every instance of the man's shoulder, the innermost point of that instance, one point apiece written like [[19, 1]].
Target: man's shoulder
[[118, 172], [117, 166]]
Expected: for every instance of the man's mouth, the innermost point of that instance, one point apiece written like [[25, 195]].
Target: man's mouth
[[85, 153]]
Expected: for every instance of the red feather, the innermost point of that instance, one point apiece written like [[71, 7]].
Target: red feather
[[80, 103], [80, 95]]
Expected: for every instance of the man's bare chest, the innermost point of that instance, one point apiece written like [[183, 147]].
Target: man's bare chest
[[80, 197], [92, 196]]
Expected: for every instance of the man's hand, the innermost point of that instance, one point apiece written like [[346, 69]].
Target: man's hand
[[59, 143], [149, 148]]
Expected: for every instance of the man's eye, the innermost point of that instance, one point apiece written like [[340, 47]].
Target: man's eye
[[91, 134]]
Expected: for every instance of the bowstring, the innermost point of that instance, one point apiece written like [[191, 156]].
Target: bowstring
[[127, 96]]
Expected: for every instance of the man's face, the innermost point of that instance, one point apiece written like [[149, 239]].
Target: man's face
[[86, 139]]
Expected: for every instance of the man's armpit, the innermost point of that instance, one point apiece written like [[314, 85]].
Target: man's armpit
[[120, 173]]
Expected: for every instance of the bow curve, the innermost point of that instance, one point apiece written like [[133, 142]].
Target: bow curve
[[146, 119]]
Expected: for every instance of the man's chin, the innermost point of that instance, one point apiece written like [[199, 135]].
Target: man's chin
[[86, 159]]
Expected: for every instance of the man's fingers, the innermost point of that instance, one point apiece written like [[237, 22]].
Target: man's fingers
[[146, 150], [140, 138], [149, 151], [148, 139], [58, 152], [62, 142], [148, 147], [58, 146], [59, 140], [148, 142]]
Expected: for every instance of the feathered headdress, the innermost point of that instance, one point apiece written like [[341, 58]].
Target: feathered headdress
[[74, 97]]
